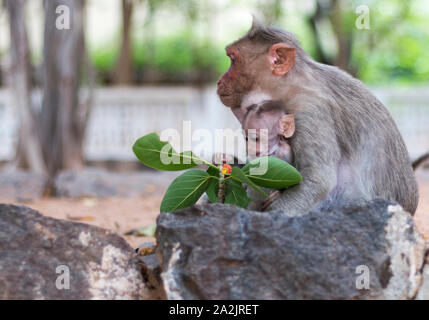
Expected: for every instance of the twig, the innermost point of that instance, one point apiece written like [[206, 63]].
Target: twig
[[221, 193]]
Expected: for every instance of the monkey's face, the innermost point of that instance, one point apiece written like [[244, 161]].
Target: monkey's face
[[261, 136], [254, 66], [265, 128], [241, 76], [264, 142]]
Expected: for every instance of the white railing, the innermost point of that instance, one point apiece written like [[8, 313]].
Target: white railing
[[8, 126], [121, 115]]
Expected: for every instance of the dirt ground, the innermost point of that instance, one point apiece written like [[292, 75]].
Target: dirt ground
[[124, 214]]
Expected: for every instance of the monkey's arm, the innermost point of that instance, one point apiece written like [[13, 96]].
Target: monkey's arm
[[317, 155], [301, 198]]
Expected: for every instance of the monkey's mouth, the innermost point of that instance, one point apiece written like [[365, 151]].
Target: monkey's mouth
[[227, 99], [221, 92]]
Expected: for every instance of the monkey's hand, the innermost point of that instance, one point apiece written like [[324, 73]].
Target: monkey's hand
[[273, 196]]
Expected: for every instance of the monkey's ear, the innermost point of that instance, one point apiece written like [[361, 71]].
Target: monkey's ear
[[287, 125], [281, 58]]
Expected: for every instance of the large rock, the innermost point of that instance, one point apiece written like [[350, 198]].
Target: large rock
[[38, 253], [423, 293], [151, 269], [216, 251]]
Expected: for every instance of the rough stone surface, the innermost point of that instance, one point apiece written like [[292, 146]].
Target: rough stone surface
[[423, 293], [99, 183], [22, 185], [151, 270], [215, 251], [32, 247]]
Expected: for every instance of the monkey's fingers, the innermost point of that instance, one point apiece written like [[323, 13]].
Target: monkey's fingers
[[273, 196]]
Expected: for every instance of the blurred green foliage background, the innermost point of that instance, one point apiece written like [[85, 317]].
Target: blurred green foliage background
[[394, 50], [182, 41]]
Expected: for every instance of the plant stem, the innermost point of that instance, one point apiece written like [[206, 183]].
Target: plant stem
[[221, 193]]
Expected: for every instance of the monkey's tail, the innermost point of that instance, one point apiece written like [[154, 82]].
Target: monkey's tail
[[420, 160]]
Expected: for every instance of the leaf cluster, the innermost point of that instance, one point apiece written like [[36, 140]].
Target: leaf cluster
[[186, 189]]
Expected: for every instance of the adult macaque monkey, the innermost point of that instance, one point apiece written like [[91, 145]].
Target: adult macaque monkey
[[345, 145]]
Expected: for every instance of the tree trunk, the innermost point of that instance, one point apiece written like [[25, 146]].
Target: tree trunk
[[313, 21], [344, 38], [333, 11], [61, 117], [124, 66], [29, 150]]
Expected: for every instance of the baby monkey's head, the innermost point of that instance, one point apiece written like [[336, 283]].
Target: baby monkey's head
[[266, 128]]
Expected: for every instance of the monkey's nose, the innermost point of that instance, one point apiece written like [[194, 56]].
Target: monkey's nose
[[218, 82]]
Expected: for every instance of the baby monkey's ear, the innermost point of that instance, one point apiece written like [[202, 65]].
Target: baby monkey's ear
[[287, 125]]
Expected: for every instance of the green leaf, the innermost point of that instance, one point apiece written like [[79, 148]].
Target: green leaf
[[213, 190], [185, 190], [213, 172], [235, 194], [152, 151], [278, 174], [239, 175]]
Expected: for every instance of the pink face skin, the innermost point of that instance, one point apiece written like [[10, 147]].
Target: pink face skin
[[268, 135]]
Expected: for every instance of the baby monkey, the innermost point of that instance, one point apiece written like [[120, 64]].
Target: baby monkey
[[266, 127]]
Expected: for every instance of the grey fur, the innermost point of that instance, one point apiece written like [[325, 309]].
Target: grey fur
[[346, 145]]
